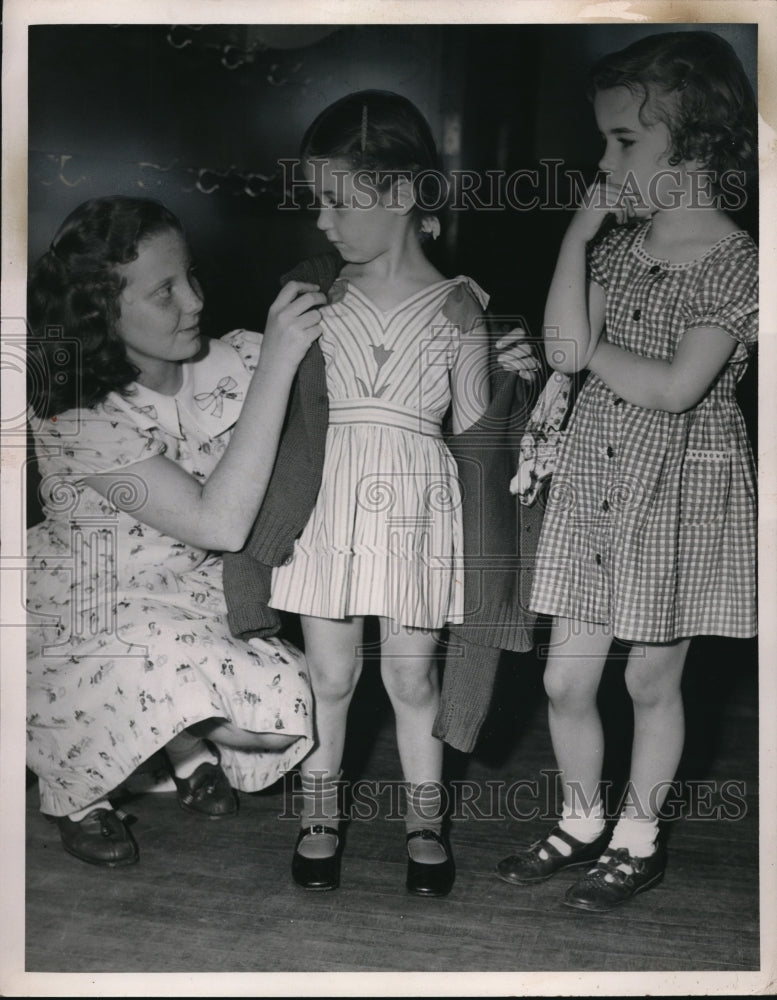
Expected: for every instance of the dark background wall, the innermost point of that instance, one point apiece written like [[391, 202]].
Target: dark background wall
[[198, 116]]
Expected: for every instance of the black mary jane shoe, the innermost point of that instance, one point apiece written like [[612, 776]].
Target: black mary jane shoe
[[528, 867], [206, 791], [317, 874], [436, 878], [100, 838], [615, 879]]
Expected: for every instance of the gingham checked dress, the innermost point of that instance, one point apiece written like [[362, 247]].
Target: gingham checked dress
[[650, 525], [386, 533]]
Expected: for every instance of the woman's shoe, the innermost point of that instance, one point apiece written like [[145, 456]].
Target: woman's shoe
[[206, 791], [316, 873], [614, 879], [100, 838], [528, 867], [432, 879]]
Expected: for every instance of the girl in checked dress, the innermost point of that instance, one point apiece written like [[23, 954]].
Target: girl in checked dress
[[650, 532]]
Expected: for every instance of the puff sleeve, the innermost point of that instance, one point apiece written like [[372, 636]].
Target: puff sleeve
[[726, 295], [247, 343], [597, 260]]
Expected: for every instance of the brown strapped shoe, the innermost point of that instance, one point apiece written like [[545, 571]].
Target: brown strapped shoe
[[528, 866], [608, 885]]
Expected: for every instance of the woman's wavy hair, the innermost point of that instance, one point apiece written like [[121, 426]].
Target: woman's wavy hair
[[694, 83], [380, 131], [75, 355]]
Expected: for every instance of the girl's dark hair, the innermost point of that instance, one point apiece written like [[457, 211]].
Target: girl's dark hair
[[694, 83], [377, 130], [75, 356]]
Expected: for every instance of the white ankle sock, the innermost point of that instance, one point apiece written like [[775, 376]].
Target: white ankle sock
[[638, 836], [424, 811], [187, 752], [76, 817], [320, 807], [583, 826]]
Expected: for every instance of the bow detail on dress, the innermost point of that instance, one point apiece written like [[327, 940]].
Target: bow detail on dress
[[213, 401]]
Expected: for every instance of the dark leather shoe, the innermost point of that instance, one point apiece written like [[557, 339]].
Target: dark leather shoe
[[435, 879], [528, 867], [99, 839], [316, 873], [206, 791], [614, 879]]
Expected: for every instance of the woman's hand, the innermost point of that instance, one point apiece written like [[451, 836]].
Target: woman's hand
[[516, 354], [293, 323]]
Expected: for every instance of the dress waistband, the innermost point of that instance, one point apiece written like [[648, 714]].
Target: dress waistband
[[377, 411]]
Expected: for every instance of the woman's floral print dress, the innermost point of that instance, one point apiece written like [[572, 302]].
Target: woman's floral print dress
[[128, 641]]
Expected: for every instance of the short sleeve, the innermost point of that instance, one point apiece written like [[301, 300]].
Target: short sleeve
[[465, 306], [597, 262], [80, 443], [247, 343], [727, 294], [606, 252]]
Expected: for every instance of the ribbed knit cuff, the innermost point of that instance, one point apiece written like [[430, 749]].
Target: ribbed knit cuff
[[467, 688]]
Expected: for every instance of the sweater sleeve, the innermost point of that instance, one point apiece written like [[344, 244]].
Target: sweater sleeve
[[293, 487], [500, 538]]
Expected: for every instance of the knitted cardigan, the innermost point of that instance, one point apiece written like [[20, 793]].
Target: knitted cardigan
[[500, 535]]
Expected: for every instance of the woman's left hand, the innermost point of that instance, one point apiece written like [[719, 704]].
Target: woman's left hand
[[516, 354]]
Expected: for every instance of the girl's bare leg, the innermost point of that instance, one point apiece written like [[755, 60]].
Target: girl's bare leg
[[331, 651], [578, 652], [653, 679], [410, 675]]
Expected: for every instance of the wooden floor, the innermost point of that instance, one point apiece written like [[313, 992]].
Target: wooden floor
[[217, 896]]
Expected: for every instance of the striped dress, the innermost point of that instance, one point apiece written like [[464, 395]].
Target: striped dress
[[385, 535], [650, 525]]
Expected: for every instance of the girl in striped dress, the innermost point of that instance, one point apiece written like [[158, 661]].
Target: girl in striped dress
[[401, 343], [650, 531]]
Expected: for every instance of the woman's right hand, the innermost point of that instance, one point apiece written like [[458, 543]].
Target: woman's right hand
[[293, 324]]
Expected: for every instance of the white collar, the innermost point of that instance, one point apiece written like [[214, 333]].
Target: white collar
[[210, 398]]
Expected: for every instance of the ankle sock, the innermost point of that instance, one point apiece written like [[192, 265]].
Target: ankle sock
[[584, 826], [320, 807], [423, 811], [76, 817], [186, 752], [638, 836]]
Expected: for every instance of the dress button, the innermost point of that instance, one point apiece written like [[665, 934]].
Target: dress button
[[605, 506], [610, 452], [617, 401], [654, 269], [598, 559], [636, 314]]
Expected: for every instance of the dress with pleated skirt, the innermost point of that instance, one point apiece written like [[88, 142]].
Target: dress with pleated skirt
[[385, 536]]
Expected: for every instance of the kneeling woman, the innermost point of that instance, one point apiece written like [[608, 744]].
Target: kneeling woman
[[155, 448]]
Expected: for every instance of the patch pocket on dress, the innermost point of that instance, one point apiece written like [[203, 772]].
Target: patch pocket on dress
[[705, 484]]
